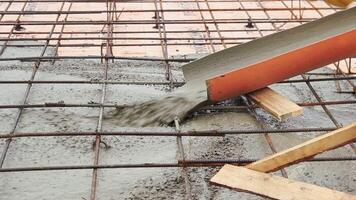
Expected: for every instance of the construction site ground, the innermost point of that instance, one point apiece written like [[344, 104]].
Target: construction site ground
[[141, 42]]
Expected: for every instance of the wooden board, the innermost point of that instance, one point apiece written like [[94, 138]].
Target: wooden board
[[306, 150], [276, 104], [275, 187]]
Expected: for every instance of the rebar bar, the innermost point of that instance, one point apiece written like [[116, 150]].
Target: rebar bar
[[187, 163]]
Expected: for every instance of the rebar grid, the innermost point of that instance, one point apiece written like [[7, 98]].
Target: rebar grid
[[109, 37]]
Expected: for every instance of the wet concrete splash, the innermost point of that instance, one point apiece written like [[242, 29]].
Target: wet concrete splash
[[161, 111]]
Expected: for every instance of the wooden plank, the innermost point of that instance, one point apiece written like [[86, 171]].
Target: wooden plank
[[306, 150], [276, 104], [229, 175], [275, 187]]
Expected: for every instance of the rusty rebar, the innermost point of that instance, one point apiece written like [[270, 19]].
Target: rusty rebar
[[187, 163], [146, 22], [191, 133], [176, 83]]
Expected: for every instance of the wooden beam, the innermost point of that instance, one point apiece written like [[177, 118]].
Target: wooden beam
[[275, 187], [276, 104], [306, 150]]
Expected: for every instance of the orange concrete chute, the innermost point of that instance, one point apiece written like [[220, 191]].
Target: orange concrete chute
[[254, 65], [340, 3], [261, 74]]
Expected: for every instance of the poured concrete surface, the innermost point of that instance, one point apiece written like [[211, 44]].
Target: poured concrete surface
[[155, 183]]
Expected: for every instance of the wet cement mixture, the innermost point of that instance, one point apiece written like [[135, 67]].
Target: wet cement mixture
[[147, 183], [162, 110]]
